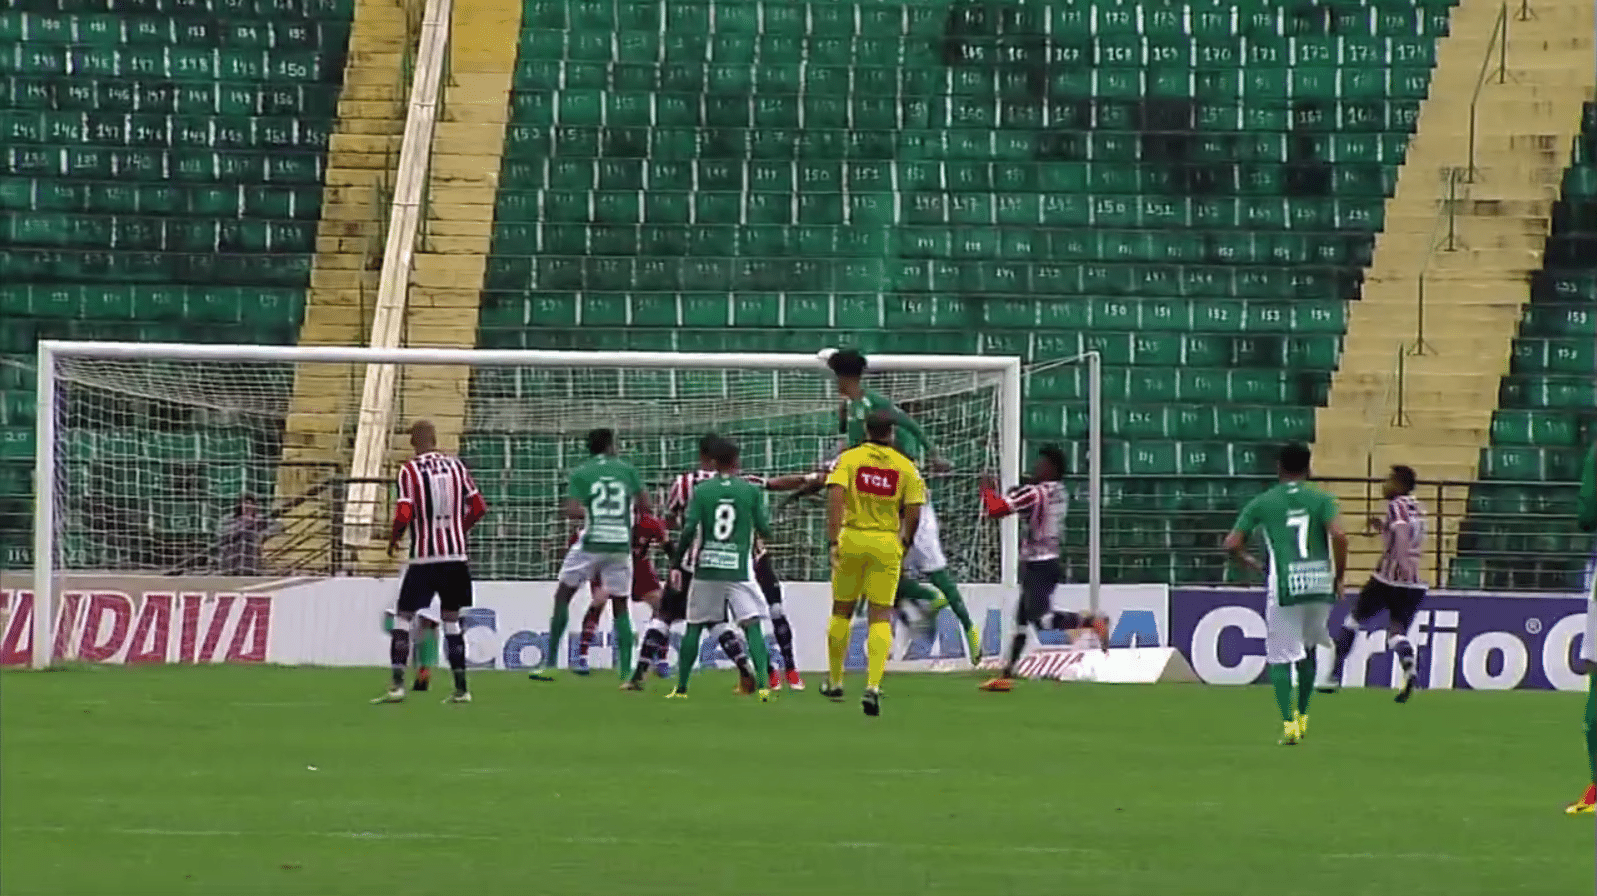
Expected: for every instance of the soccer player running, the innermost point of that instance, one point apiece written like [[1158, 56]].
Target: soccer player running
[[925, 555], [1043, 501], [1307, 552], [874, 501], [1587, 517], [438, 505], [1395, 586], [607, 494], [724, 516]]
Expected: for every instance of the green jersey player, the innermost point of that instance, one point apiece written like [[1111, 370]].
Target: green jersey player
[[606, 494], [1587, 509], [724, 515], [925, 556], [1306, 548]]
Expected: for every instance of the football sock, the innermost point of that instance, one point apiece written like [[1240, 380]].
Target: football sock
[[1281, 679], [762, 657], [399, 652], [878, 642], [1017, 645], [1305, 681], [1344, 645], [687, 654], [590, 627], [656, 639], [784, 636], [1404, 648], [732, 645], [624, 641], [427, 648], [837, 631], [557, 632], [455, 650], [1591, 728], [956, 602]]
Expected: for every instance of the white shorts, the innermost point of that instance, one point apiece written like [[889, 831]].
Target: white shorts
[[429, 613], [614, 570], [925, 555], [1289, 632], [713, 600]]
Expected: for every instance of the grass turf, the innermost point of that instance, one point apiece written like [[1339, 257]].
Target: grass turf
[[200, 780]]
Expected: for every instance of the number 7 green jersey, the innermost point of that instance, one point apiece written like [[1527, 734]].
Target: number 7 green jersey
[[725, 514], [1296, 518], [606, 486]]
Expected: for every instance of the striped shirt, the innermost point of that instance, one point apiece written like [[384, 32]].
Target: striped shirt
[[439, 490], [1043, 504], [681, 492], [1403, 534]]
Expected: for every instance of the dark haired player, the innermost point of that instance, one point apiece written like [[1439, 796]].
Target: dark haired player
[[438, 505], [607, 494], [1043, 501], [1396, 586], [1307, 551]]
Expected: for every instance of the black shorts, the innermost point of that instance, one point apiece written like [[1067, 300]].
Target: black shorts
[[1038, 579], [450, 582], [1401, 601]]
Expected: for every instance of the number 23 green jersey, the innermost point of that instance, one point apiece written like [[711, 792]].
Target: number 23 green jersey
[[606, 486], [725, 514], [1296, 518]]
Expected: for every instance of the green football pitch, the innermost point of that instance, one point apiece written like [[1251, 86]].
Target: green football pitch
[[284, 781]]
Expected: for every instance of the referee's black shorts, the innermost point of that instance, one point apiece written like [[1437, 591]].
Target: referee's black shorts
[[449, 581], [1401, 601]]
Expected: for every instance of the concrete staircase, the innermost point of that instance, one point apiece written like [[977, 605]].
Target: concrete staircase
[[349, 251], [1475, 291]]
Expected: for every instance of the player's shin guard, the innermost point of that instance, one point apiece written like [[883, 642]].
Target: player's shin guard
[[455, 651], [624, 641], [732, 645], [837, 631], [878, 643], [1306, 670], [687, 655], [656, 640], [1281, 680], [399, 652], [784, 636]]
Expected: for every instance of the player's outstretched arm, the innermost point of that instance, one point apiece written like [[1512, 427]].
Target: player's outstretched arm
[[794, 481]]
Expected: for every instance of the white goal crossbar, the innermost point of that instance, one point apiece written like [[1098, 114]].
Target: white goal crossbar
[[1005, 371]]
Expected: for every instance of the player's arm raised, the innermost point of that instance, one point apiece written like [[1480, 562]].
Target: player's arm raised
[[1236, 541], [762, 519]]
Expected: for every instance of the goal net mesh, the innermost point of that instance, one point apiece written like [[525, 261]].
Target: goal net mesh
[[154, 457]]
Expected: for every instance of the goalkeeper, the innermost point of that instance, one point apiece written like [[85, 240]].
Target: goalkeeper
[[1587, 804], [925, 555]]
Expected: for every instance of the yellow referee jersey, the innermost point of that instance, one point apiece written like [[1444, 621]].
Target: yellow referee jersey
[[878, 482]]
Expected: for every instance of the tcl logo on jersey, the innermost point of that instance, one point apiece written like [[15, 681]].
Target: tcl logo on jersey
[[876, 481]]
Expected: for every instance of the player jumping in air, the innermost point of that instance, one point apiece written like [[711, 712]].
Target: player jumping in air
[[1043, 501], [438, 505], [1587, 804], [1307, 551], [607, 494], [1396, 585], [925, 556], [874, 500], [724, 516]]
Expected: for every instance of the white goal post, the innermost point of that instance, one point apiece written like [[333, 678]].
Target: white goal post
[[974, 400]]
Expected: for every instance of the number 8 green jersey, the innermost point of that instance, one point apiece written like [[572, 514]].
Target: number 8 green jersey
[[1296, 518], [725, 514], [606, 486]]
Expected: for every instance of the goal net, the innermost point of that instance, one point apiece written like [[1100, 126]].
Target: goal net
[[235, 460]]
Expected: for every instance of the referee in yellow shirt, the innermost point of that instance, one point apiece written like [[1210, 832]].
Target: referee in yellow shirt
[[874, 497]]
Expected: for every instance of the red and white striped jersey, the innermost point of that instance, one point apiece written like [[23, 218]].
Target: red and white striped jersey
[[681, 491], [1403, 534], [1043, 504], [440, 492]]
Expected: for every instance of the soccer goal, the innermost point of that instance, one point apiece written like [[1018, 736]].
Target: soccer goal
[[145, 451]]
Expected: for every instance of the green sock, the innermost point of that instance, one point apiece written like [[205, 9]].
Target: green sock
[[1591, 728], [624, 642], [1281, 677], [688, 654], [427, 647], [762, 657], [388, 623], [909, 589], [1305, 681], [945, 584], [557, 633]]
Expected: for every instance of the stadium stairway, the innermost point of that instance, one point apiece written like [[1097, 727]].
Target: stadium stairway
[[349, 248], [1475, 292]]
